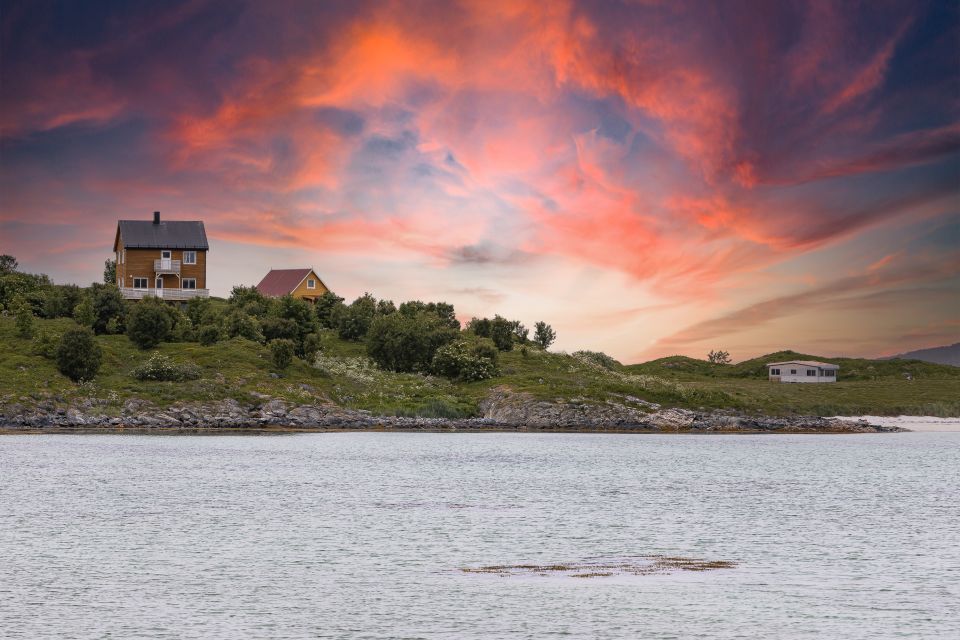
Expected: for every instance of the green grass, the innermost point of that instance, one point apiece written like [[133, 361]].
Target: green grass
[[241, 370]]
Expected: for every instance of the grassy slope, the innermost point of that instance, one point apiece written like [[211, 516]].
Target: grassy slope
[[239, 368]]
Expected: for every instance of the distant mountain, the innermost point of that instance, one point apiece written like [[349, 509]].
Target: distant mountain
[[939, 355]]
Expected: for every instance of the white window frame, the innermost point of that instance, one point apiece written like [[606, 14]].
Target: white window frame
[[811, 373], [146, 283], [311, 283], [793, 372], [774, 372], [193, 259], [193, 281], [166, 254]]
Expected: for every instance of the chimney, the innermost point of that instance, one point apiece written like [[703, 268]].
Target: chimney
[[156, 217]]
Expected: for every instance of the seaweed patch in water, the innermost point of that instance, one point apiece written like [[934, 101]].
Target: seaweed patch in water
[[598, 568]]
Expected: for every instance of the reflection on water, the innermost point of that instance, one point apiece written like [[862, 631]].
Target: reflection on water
[[367, 535]]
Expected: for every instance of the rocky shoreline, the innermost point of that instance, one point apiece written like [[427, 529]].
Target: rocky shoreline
[[502, 410]]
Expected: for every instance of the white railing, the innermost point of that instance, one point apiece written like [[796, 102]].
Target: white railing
[[166, 294], [166, 265]]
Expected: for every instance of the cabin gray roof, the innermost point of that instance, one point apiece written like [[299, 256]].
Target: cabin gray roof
[[172, 234], [809, 363]]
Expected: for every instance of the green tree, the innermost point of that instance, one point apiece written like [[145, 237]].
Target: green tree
[[300, 313], [280, 329], [479, 327], [110, 272], [250, 300], [243, 325], [197, 310], [719, 357], [24, 317], [398, 342], [60, 300], [148, 323], [543, 335], [353, 322], [79, 355], [501, 332], [442, 310], [281, 352], [83, 313], [325, 306], [107, 304], [8, 264], [520, 332]]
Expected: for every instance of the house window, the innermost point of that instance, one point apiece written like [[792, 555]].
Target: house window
[[774, 372], [139, 283], [793, 372], [189, 257], [166, 255], [811, 372], [189, 283], [829, 373], [311, 284]]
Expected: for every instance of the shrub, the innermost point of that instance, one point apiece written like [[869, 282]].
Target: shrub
[[325, 306], [402, 343], [353, 322], [279, 328], [107, 304], [24, 317], [281, 352], [501, 332], [160, 367], [598, 358], [83, 313], [520, 332], [198, 310], [60, 300], [149, 323], [46, 344], [238, 323], [78, 354], [543, 335], [249, 300], [311, 346], [461, 360], [208, 335], [442, 310], [297, 311]]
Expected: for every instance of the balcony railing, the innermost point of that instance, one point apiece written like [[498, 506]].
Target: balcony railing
[[166, 294], [166, 265]]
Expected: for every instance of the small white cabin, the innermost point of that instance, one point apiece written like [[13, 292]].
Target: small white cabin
[[802, 371]]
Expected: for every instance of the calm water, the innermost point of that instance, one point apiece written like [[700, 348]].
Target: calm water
[[358, 535]]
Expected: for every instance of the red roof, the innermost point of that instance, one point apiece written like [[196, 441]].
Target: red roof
[[280, 282]]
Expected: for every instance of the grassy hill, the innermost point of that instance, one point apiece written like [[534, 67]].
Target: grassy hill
[[342, 374]]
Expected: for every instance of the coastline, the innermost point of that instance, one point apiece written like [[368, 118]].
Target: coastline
[[502, 412]]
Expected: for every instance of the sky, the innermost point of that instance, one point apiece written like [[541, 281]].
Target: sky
[[650, 178]]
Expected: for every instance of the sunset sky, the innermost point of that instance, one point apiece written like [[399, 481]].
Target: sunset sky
[[649, 177]]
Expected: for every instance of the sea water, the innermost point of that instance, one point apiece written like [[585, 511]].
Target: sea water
[[366, 535]]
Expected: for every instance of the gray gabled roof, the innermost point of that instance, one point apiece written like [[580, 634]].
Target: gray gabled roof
[[807, 363], [173, 234]]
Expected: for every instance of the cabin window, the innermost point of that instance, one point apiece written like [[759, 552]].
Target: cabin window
[[811, 372], [139, 283], [189, 283], [166, 255], [774, 372], [829, 373], [793, 372], [189, 257], [311, 284]]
